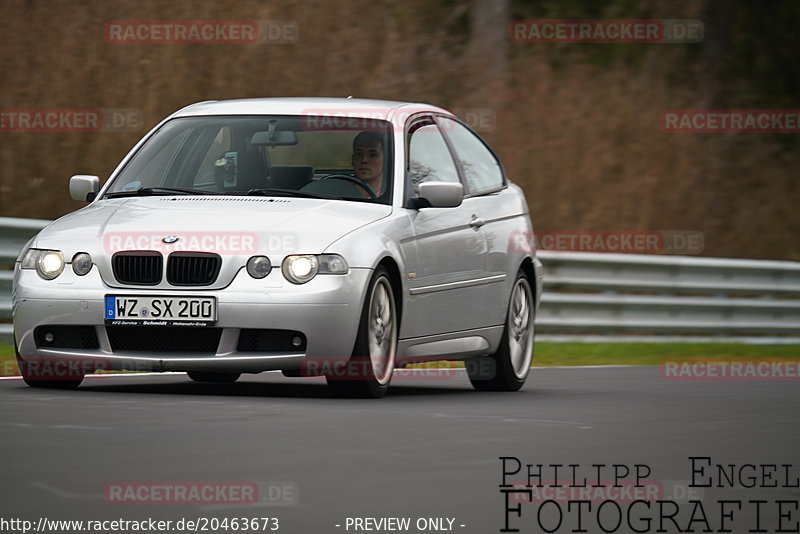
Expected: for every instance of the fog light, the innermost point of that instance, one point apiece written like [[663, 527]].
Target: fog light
[[49, 337], [297, 341]]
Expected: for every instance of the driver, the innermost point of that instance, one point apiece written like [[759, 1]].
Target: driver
[[367, 160]]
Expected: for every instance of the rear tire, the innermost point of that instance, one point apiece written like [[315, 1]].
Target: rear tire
[[39, 375], [508, 368], [218, 378], [371, 366]]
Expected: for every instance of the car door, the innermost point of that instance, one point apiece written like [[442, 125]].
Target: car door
[[446, 253], [492, 208]]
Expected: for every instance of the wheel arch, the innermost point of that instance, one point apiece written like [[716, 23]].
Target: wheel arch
[[534, 277], [395, 280], [527, 268]]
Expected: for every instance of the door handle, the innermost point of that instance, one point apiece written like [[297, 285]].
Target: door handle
[[476, 222]]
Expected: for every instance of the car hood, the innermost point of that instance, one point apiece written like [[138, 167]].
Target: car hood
[[279, 226]]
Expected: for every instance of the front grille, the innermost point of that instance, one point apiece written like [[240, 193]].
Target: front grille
[[265, 340], [66, 337], [138, 268], [192, 268], [163, 338]]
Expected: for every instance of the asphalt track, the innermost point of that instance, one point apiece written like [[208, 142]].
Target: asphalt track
[[428, 449]]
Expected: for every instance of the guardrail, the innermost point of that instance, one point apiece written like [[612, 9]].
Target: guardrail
[[611, 294], [591, 296], [14, 233]]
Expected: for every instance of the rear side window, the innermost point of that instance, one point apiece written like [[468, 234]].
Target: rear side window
[[480, 168]]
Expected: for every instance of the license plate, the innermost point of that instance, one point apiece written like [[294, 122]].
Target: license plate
[[160, 311]]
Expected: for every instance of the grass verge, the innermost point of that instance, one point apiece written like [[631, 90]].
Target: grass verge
[[550, 354], [8, 363]]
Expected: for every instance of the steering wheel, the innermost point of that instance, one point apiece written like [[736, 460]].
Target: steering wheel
[[352, 179]]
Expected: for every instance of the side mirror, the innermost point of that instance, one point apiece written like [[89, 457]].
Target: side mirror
[[439, 195], [84, 187]]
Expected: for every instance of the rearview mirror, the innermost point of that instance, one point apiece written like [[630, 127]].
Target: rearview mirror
[[84, 187], [439, 195], [276, 138]]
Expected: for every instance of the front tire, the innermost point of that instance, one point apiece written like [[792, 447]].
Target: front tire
[[508, 368], [46, 374], [371, 365]]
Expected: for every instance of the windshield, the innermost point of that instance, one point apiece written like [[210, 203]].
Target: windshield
[[318, 157]]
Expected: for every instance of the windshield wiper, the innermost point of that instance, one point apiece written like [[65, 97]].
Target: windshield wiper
[[149, 191], [289, 193], [301, 194]]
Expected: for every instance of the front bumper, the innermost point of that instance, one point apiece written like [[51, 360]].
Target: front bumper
[[325, 310]]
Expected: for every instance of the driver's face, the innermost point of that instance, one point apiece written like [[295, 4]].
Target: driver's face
[[368, 163]]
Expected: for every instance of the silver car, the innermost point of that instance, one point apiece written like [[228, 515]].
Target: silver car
[[342, 238]]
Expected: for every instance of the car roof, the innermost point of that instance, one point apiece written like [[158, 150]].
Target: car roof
[[350, 107]]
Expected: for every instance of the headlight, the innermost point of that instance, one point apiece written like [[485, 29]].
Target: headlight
[[299, 269], [81, 263], [48, 263], [258, 266]]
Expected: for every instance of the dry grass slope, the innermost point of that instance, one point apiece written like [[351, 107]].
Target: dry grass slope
[[582, 138]]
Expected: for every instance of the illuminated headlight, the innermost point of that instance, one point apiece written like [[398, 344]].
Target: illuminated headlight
[[48, 263], [258, 266], [299, 269], [81, 263]]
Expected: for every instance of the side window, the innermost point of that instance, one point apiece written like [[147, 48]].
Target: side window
[[479, 166], [429, 160]]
